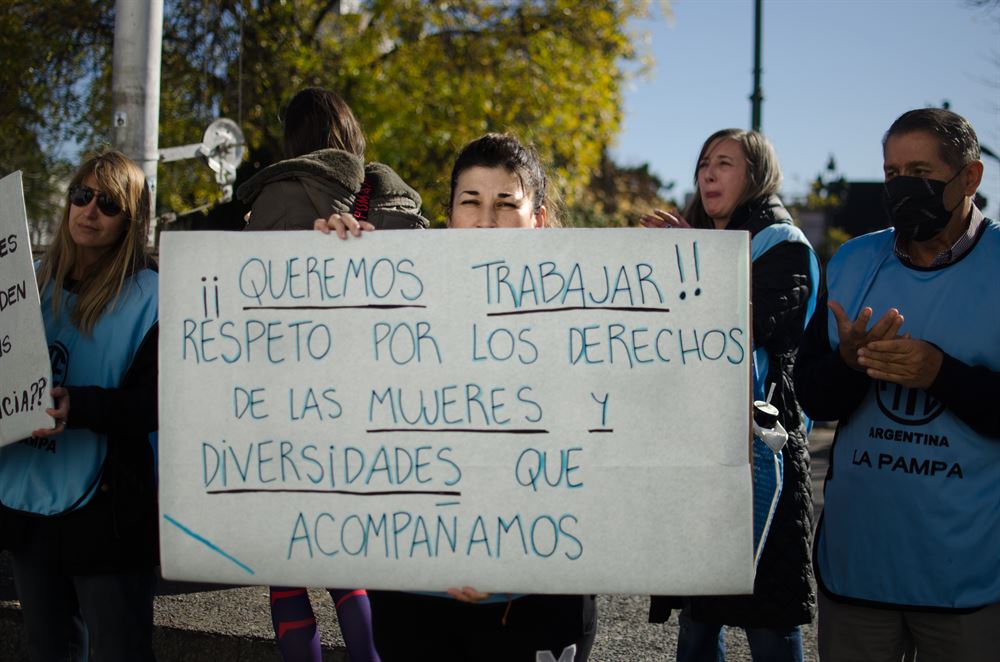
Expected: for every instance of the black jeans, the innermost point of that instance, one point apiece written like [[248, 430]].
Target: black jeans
[[410, 626], [64, 615]]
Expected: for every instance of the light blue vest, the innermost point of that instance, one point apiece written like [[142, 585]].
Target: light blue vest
[[912, 513], [52, 476]]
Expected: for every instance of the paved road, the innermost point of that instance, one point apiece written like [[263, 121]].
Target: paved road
[[198, 625]]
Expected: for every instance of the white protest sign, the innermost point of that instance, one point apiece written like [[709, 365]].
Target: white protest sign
[[519, 411], [24, 353]]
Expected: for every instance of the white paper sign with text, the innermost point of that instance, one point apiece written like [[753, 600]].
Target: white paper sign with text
[[520, 411], [24, 353]]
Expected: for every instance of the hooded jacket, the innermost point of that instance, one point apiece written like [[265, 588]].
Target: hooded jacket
[[291, 194]]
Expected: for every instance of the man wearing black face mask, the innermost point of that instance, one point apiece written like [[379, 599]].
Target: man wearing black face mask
[[908, 547]]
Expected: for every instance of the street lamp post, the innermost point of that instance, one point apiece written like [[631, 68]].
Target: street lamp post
[[135, 86], [757, 97]]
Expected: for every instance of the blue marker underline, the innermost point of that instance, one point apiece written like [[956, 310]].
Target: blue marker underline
[[209, 544]]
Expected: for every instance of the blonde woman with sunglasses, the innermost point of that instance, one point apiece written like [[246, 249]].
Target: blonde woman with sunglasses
[[78, 499]]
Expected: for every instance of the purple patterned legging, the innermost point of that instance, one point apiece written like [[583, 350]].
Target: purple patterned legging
[[295, 624]]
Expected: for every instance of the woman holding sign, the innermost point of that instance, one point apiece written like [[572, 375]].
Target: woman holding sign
[[736, 183], [79, 499], [496, 182]]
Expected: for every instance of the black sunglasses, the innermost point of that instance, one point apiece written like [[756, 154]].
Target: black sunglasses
[[82, 195]]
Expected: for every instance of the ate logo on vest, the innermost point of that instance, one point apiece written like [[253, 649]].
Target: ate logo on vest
[[59, 358], [909, 406]]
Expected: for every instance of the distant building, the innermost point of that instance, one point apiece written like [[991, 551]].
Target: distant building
[[853, 208], [861, 210]]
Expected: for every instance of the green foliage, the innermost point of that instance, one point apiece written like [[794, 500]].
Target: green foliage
[[826, 194], [834, 239], [46, 64], [617, 196], [422, 77]]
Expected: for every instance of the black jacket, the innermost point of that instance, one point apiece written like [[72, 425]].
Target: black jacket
[[117, 529], [783, 595]]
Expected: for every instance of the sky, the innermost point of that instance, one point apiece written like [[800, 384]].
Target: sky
[[836, 73]]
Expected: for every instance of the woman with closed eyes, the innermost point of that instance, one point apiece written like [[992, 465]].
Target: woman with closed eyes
[[496, 182]]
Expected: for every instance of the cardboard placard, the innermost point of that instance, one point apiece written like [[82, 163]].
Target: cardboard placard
[[519, 411], [24, 353]]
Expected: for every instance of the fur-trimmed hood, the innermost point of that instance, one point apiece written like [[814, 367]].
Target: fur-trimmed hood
[[335, 180]]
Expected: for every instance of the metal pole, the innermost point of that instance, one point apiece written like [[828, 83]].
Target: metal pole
[[135, 86], [758, 95]]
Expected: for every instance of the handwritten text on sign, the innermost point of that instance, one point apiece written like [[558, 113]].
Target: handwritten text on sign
[[528, 411], [24, 355]]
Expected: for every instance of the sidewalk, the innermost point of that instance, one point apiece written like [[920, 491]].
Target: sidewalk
[[195, 623]]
